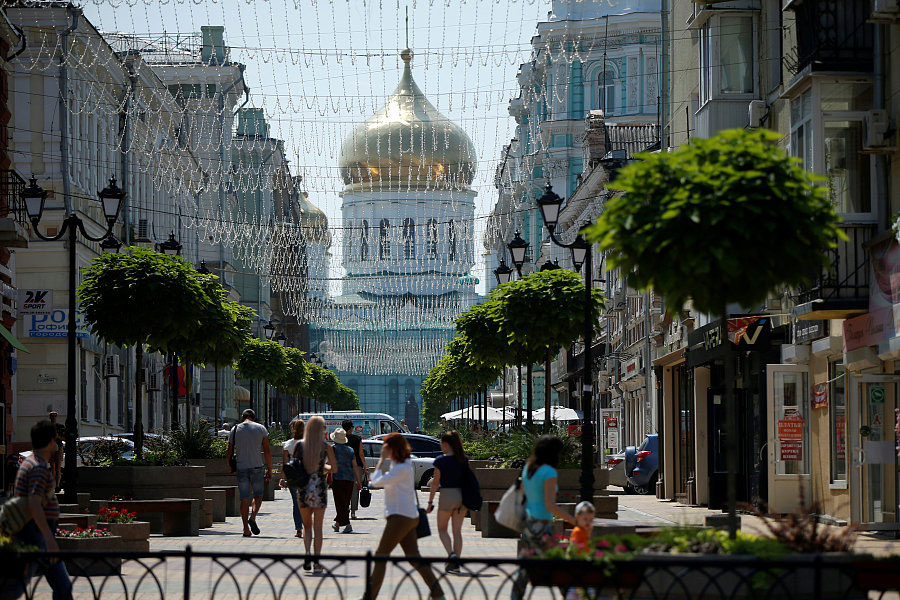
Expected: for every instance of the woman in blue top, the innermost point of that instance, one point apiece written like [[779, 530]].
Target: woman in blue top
[[539, 484], [448, 476]]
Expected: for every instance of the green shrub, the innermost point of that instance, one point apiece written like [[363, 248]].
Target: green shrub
[[102, 452]]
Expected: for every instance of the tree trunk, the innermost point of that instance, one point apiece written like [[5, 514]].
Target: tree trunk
[[216, 398], [731, 426], [173, 372], [138, 403], [530, 396], [547, 392], [519, 402]]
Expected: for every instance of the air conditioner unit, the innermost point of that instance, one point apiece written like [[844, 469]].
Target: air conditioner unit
[[153, 382], [878, 123], [618, 302], [143, 230], [757, 112], [111, 366], [885, 11]]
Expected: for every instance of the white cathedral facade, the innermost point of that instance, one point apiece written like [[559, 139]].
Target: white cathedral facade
[[408, 212]]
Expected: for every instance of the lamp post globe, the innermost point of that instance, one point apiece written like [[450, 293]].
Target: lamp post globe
[[111, 198], [34, 196], [550, 203], [281, 339], [269, 329], [170, 247], [203, 269], [517, 249], [503, 273], [110, 245], [550, 266], [579, 248]]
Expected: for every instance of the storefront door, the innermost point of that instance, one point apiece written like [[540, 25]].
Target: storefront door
[[873, 439], [788, 436]]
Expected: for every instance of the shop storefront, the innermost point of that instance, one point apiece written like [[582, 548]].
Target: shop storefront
[[678, 434]]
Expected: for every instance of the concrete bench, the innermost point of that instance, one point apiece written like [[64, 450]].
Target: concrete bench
[[206, 513], [232, 499], [169, 516], [218, 498], [80, 520]]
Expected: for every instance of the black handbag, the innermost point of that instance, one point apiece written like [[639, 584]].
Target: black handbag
[[423, 529], [471, 491], [294, 472], [365, 497]]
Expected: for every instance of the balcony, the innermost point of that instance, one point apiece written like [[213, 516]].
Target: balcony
[[842, 289], [832, 35], [12, 211]]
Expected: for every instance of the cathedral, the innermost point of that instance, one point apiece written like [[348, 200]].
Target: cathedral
[[408, 211]]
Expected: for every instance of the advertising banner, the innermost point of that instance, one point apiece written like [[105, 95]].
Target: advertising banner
[[56, 324], [35, 302]]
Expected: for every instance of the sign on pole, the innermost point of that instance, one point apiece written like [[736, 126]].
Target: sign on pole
[[35, 302]]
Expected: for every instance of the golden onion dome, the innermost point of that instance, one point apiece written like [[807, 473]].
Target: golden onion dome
[[312, 219], [407, 145]]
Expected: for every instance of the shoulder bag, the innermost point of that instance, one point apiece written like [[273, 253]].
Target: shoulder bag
[[365, 496], [423, 529], [471, 490], [14, 515], [511, 511], [294, 472]]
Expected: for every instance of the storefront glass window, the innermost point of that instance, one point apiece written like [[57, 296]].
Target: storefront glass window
[[838, 415], [792, 423]]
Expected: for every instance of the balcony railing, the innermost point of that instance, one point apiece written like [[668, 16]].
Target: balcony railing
[[11, 205], [847, 276], [832, 35]]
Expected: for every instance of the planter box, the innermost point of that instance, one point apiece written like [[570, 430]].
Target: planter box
[[217, 472], [568, 478], [135, 535], [143, 483], [87, 567], [576, 574]]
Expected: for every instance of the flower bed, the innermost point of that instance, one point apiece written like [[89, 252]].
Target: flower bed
[[91, 539], [112, 514]]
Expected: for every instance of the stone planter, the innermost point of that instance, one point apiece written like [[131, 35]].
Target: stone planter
[[568, 478], [217, 472], [142, 482], [87, 567], [135, 535]]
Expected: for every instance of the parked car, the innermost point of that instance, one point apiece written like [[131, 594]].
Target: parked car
[[130, 436], [424, 466], [615, 464], [642, 465], [423, 446], [85, 444]]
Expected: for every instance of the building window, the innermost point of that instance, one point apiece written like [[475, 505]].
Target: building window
[[431, 239], [607, 86], [792, 403], [847, 168], [384, 240], [837, 407], [451, 239], [364, 241], [98, 390], [801, 129], [83, 388], [409, 238], [736, 56], [706, 62], [576, 91]]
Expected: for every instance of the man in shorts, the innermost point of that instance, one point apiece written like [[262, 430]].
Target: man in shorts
[[246, 441]]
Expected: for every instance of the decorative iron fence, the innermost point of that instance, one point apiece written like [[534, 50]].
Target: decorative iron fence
[[11, 204], [194, 576], [847, 275]]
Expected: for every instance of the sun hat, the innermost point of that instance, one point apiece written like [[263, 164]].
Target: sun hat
[[339, 436]]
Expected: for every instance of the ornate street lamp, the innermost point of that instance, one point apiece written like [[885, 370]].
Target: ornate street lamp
[[110, 244], [281, 339], [550, 266], [503, 273], [170, 247], [269, 330], [202, 269], [111, 198], [517, 249], [549, 204]]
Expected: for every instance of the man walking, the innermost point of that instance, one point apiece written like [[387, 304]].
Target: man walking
[[34, 480], [355, 442], [246, 441]]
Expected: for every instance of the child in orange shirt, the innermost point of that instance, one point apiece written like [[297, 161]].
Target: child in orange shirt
[[584, 523]]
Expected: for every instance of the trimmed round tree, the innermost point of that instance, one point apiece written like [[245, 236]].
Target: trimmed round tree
[[722, 220], [139, 298], [262, 360]]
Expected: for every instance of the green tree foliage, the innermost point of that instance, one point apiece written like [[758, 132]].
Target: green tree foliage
[[263, 360], [721, 220], [344, 399], [458, 373], [297, 373], [324, 384]]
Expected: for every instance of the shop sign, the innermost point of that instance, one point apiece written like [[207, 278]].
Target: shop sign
[[35, 302], [807, 331], [574, 430], [876, 394], [868, 330], [791, 450], [631, 368], [56, 324], [790, 428], [820, 396], [745, 333], [612, 432]]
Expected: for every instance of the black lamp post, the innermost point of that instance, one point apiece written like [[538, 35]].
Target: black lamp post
[[111, 198], [550, 204], [281, 339], [203, 269], [503, 273], [517, 249], [170, 247]]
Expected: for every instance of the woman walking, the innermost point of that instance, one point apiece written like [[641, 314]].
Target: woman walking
[[448, 477], [287, 452], [313, 498], [401, 513], [344, 480], [539, 482]]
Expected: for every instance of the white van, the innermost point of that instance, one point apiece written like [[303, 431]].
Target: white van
[[365, 424]]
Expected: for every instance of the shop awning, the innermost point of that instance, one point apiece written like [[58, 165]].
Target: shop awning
[[241, 394], [9, 337]]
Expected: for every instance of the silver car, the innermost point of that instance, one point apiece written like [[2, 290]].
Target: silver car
[[424, 467], [615, 464]]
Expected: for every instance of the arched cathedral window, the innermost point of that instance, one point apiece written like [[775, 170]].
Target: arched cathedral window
[[451, 237], [607, 86], [409, 238], [364, 241], [431, 238], [384, 240]]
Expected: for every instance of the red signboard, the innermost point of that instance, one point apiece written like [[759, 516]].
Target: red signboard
[[791, 450], [790, 428], [820, 395], [574, 430], [868, 329]]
